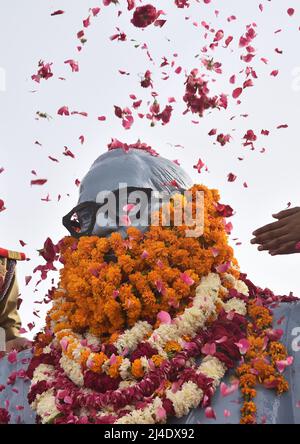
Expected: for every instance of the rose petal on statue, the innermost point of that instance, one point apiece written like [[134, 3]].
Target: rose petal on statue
[[210, 413], [274, 334], [283, 364], [116, 294], [12, 357], [243, 346], [145, 254], [68, 400], [221, 340], [209, 349], [64, 344], [113, 359], [227, 390], [187, 279], [215, 252], [161, 414], [164, 317], [223, 268], [19, 407], [227, 413], [160, 286]]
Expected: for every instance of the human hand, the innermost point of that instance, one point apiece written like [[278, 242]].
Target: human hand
[[282, 236], [18, 344]]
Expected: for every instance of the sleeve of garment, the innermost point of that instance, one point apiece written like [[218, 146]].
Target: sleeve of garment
[[9, 317]]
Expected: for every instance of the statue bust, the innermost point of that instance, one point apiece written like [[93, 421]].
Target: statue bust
[[140, 168]]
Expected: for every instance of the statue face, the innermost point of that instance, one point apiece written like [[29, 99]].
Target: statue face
[[120, 189]]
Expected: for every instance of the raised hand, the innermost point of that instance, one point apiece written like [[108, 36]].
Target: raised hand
[[282, 236]]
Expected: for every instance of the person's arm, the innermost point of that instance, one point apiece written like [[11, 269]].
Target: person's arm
[[282, 236], [9, 317]]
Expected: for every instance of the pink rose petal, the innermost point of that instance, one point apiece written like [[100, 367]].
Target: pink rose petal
[[243, 346], [164, 317], [210, 413]]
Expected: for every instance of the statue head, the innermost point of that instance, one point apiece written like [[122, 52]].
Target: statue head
[[114, 181]]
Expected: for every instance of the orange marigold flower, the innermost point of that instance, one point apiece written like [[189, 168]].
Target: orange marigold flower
[[137, 369], [113, 370], [249, 408], [98, 361], [157, 360], [248, 380], [172, 346], [248, 419], [248, 393]]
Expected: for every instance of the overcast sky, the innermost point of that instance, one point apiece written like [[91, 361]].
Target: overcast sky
[[29, 34]]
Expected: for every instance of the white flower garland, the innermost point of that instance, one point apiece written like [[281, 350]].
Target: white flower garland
[[185, 399], [190, 395]]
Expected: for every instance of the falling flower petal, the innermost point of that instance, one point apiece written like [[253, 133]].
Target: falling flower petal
[[63, 111], [58, 12], [39, 182]]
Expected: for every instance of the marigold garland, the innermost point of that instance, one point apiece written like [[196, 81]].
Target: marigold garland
[[145, 278]]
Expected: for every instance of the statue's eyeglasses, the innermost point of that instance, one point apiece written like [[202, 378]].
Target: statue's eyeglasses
[[81, 220]]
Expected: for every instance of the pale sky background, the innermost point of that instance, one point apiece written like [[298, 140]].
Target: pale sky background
[[28, 34]]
